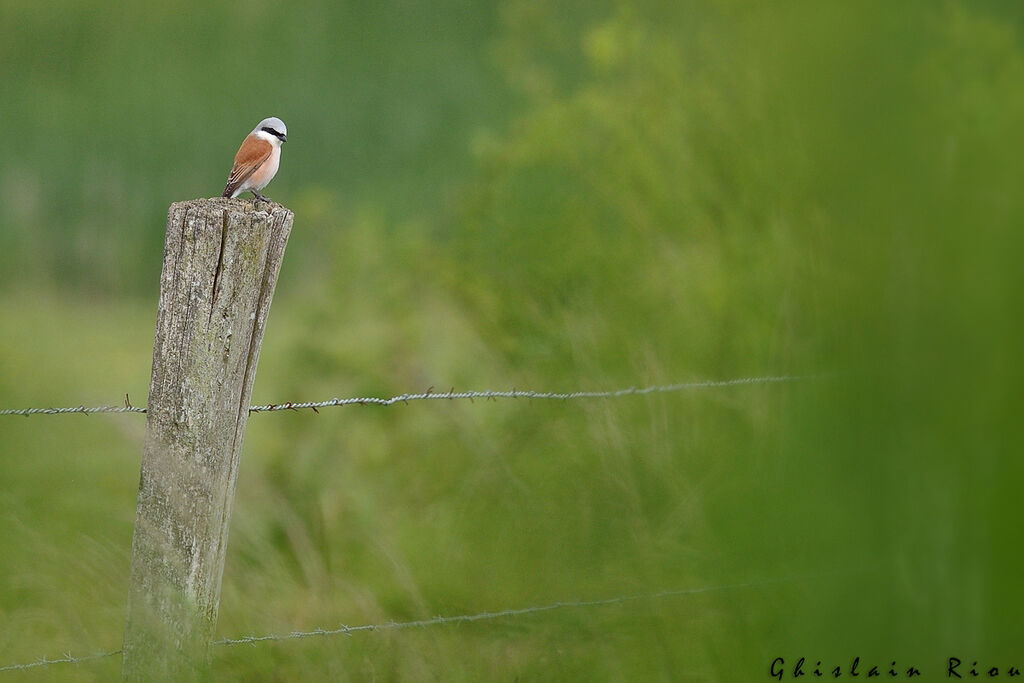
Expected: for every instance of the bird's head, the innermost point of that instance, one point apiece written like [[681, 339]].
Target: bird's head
[[272, 129]]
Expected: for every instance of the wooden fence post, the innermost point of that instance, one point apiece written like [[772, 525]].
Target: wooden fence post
[[221, 260]]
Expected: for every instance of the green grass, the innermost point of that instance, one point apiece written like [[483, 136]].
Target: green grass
[[368, 515], [587, 196]]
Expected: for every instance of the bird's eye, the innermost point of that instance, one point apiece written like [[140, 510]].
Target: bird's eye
[[273, 132]]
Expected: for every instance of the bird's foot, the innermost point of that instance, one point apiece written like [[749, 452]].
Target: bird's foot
[[260, 197]]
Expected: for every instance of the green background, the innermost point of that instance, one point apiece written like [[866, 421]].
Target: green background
[[550, 196]]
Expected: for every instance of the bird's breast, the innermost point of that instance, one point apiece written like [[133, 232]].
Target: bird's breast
[[267, 170]]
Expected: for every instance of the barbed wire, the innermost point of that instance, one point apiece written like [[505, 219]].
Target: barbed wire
[[486, 616], [80, 409], [432, 395], [67, 658], [429, 394]]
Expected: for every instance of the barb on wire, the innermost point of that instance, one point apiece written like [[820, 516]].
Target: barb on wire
[[485, 616], [431, 395], [67, 658]]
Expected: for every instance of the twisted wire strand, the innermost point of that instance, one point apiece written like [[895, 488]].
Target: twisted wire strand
[[431, 395], [254, 640], [488, 616], [83, 410], [67, 658]]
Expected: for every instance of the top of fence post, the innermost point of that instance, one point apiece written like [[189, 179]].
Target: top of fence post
[[220, 266]]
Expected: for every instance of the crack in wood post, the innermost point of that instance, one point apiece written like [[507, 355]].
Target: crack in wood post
[[220, 265]]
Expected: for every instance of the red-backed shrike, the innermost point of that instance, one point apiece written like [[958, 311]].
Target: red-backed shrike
[[257, 159]]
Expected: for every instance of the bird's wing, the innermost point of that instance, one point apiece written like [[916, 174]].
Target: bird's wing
[[251, 154]]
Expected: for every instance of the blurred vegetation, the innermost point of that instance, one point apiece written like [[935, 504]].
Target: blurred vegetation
[[552, 196]]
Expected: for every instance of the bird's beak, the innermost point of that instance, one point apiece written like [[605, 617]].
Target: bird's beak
[[284, 138]]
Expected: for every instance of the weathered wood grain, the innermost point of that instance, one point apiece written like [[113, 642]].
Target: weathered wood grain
[[221, 261]]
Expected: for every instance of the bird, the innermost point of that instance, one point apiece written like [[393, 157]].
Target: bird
[[258, 159]]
